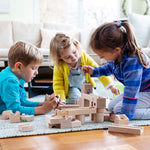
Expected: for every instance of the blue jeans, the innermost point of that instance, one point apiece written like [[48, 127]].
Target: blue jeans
[[142, 109]]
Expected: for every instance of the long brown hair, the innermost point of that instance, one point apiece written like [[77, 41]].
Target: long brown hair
[[108, 36]]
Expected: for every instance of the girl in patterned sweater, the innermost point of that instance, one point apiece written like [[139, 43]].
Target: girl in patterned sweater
[[116, 43]]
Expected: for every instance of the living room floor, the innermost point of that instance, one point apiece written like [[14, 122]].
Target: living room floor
[[85, 140]]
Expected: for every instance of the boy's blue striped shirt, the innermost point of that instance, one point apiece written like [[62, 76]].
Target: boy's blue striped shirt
[[133, 75]]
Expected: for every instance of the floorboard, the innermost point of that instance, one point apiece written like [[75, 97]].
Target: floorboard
[[85, 140]]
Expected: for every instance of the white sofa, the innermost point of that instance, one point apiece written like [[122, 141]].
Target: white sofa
[[40, 35]]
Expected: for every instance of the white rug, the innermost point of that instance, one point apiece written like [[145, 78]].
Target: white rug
[[8, 129]]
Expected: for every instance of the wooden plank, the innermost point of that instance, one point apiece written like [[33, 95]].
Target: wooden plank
[[121, 128]]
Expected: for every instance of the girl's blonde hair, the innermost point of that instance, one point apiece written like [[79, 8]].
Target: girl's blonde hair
[[25, 53], [60, 42], [108, 36]]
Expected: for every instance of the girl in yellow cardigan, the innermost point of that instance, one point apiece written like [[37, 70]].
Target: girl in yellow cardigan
[[68, 76]]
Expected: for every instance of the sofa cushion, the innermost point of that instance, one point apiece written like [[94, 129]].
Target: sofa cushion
[[29, 32], [147, 51], [6, 39], [58, 26], [141, 24], [4, 52], [47, 35]]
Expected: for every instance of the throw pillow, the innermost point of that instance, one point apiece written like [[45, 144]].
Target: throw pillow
[[47, 35], [6, 38], [27, 31], [141, 25]]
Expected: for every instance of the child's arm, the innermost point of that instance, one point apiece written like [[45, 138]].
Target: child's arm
[[87, 69], [114, 90], [12, 101], [59, 81], [106, 80]]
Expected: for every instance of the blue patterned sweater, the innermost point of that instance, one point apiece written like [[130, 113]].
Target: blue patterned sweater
[[133, 75]]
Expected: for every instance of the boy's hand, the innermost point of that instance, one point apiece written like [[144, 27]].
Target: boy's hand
[[114, 90], [59, 100], [87, 69], [49, 104]]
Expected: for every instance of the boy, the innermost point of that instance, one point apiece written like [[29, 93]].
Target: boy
[[23, 63]]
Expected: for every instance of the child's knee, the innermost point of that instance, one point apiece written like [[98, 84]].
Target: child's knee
[[110, 107], [117, 109]]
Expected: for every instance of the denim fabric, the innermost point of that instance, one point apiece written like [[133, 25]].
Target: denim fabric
[[76, 78]]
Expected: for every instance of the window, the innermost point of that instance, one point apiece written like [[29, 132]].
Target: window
[[80, 13]]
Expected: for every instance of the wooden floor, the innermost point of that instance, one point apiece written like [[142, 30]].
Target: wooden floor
[[85, 140]]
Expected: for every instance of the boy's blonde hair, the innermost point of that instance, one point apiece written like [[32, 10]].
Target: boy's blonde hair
[[25, 53], [60, 42]]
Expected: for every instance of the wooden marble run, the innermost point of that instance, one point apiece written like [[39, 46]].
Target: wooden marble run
[[74, 116], [69, 116]]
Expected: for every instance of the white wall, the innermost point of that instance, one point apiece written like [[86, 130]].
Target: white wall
[[22, 10], [136, 6], [139, 6]]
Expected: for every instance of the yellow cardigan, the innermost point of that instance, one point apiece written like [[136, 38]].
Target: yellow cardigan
[[61, 73]]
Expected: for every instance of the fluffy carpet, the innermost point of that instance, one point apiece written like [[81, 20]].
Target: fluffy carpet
[[8, 129]]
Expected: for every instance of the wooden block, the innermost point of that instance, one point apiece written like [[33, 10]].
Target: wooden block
[[87, 88], [67, 106], [77, 102], [62, 113], [47, 118], [101, 102], [100, 110], [87, 96], [5, 114], [26, 118], [25, 127], [81, 101], [121, 119], [80, 111], [106, 117], [99, 117], [14, 117], [121, 128], [76, 123], [66, 123], [52, 120], [81, 118]]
